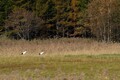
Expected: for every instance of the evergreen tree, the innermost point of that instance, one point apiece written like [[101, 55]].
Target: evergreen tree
[[26, 4], [5, 9], [45, 10]]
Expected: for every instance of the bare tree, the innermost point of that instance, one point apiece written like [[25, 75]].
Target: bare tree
[[23, 23], [100, 13]]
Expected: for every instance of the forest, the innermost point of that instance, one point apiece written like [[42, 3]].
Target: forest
[[43, 19]]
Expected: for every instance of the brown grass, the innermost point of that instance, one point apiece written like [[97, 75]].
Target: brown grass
[[73, 65], [58, 47]]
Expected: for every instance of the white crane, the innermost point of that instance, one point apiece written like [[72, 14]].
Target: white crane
[[24, 52], [41, 53]]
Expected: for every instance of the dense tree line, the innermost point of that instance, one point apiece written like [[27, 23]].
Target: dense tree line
[[29, 19]]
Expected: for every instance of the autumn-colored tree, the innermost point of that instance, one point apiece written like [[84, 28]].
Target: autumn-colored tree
[[67, 17], [95, 19], [100, 16]]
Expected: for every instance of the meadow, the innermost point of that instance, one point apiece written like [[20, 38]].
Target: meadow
[[64, 59]]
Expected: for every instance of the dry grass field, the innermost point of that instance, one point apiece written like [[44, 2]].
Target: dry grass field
[[64, 59], [58, 47]]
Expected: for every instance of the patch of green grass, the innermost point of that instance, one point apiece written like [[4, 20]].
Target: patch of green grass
[[88, 67]]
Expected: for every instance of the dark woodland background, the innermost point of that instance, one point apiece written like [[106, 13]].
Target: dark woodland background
[[43, 19]]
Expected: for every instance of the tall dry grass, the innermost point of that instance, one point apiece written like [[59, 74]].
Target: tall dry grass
[[58, 47]]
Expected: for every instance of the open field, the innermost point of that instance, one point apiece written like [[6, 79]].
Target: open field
[[69, 67], [64, 59]]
